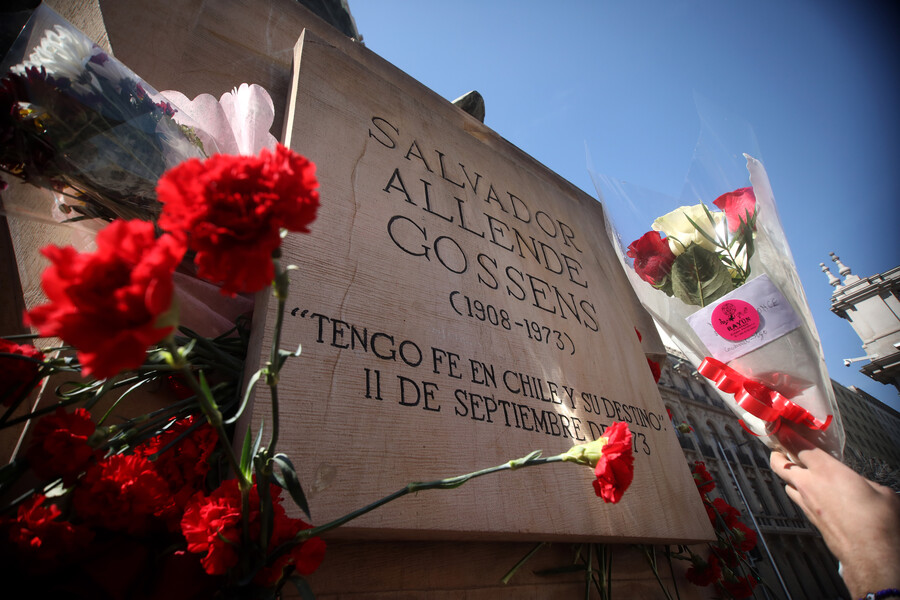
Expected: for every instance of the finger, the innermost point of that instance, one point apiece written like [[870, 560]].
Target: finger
[[778, 460], [797, 498], [815, 458], [784, 467], [794, 443]]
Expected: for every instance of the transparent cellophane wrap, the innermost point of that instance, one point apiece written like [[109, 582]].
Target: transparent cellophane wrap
[[86, 125], [793, 364], [110, 168]]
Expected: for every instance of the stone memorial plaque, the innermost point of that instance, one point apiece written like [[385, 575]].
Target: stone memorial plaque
[[458, 305]]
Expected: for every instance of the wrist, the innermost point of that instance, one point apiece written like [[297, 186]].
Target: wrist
[[882, 594]]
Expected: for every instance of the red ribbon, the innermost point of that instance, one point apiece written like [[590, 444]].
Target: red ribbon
[[757, 399]]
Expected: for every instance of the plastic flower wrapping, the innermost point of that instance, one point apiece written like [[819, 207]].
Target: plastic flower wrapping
[[75, 120], [715, 271]]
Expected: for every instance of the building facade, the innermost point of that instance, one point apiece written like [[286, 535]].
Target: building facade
[[872, 306]]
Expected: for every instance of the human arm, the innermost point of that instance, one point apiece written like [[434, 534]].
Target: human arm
[[858, 519]]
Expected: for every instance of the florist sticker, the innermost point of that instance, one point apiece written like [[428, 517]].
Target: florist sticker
[[735, 320], [749, 317]]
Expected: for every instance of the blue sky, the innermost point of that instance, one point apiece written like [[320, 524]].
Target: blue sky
[[817, 80]]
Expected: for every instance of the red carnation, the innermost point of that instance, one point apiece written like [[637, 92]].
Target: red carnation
[[727, 555], [614, 471], [652, 257], [59, 445], [39, 537], [232, 209], [122, 493], [702, 478], [738, 206], [212, 527], [184, 465], [305, 557], [721, 508], [744, 537], [18, 375], [703, 572], [109, 304], [655, 369]]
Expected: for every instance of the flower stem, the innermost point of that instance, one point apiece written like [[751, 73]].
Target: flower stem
[[280, 287], [650, 555], [210, 411], [532, 459]]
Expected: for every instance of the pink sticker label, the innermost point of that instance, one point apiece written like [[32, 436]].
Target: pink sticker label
[[735, 320]]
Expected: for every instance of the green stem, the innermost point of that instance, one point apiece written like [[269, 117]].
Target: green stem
[[280, 286], [212, 414], [524, 559], [672, 573], [650, 553], [589, 572], [418, 486]]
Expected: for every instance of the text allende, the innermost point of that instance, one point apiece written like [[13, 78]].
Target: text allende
[[552, 228], [453, 205]]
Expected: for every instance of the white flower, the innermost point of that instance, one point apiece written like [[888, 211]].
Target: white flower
[[682, 233], [66, 54], [62, 54]]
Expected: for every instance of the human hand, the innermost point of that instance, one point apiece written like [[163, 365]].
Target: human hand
[[859, 520]]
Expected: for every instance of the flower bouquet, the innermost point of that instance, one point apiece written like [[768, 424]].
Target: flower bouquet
[[718, 278], [75, 120]]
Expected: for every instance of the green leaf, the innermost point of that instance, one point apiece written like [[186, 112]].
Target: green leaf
[[665, 285], [207, 393], [283, 355], [246, 455], [702, 231], [246, 398], [258, 442], [286, 477], [699, 277], [248, 451], [709, 216]]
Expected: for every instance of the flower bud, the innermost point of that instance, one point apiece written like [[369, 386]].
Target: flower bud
[[586, 454]]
